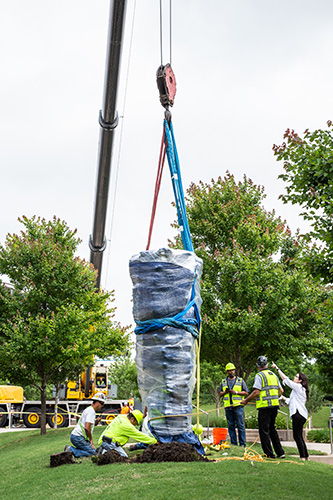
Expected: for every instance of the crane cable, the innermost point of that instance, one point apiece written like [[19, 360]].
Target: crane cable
[[170, 31], [163, 149]]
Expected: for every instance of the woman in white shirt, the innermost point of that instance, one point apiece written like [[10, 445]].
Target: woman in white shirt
[[297, 410]]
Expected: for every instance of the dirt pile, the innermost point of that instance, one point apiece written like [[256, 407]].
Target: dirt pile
[[169, 452], [66, 457], [110, 457]]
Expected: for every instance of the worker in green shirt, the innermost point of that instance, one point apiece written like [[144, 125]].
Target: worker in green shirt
[[120, 430]]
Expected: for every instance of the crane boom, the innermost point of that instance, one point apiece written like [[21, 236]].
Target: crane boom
[[108, 120]]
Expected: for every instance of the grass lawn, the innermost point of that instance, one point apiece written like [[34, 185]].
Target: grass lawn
[[25, 474], [319, 419]]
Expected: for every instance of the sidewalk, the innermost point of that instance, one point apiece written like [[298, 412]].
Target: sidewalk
[[323, 447]]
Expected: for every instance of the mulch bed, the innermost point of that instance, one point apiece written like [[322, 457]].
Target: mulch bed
[[169, 452], [165, 452], [66, 457], [111, 457]]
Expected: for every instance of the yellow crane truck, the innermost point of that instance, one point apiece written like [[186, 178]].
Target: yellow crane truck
[[73, 398]]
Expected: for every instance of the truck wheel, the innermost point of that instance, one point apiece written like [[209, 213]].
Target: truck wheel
[[3, 416], [32, 419], [62, 419], [108, 417]]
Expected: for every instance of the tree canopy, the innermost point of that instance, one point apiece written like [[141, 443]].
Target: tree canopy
[[123, 373], [254, 302], [308, 174], [52, 319]]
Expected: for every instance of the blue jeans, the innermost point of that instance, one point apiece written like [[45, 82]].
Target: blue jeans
[[235, 419], [112, 446], [81, 447]]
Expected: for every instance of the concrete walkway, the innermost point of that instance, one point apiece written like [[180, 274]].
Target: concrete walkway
[[323, 447]]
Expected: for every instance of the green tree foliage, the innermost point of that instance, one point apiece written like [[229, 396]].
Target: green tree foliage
[[211, 376], [52, 320], [308, 173], [123, 373], [253, 303]]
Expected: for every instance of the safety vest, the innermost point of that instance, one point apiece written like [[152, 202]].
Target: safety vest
[[269, 394], [235, 398]]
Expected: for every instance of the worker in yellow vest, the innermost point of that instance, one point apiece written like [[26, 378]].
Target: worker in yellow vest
[[266, 392], [120, 430], [232, 390]]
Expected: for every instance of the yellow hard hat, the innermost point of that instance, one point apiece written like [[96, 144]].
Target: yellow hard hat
[[230, 366], [138, 416]]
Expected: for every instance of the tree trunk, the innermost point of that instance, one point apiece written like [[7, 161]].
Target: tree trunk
[[217, 403], [43, 408]]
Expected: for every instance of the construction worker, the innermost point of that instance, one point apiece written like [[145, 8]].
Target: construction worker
[[125, 409], [100, 382], [232, 390], [81, 436], [120, 430], [266, 392]]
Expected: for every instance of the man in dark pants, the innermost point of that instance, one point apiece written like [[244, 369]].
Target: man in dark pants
[[266, 392]]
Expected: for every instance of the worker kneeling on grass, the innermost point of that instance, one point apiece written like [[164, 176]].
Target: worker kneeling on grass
[[120, 430], [81, 437]]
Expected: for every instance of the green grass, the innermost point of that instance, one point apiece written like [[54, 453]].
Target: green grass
[[319, 419], [25, 474]]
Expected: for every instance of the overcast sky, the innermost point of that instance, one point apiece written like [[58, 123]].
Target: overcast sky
[[245, 70]]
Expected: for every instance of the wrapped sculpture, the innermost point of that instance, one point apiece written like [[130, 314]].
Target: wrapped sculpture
[[166, 309]]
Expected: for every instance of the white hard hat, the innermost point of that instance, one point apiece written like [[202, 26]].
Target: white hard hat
[[99, 396]]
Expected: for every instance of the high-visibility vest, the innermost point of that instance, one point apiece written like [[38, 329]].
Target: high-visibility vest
[[269, 394], [235, 398]]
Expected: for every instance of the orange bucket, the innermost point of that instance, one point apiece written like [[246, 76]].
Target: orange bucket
[[219, 434]]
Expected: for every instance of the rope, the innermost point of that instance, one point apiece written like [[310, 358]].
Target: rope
[[254, 456], [198, 346]]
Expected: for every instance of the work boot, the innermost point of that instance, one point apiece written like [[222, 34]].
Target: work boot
[[133, 447]]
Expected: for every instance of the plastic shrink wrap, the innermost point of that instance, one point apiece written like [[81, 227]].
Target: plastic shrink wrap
[[164, 282]]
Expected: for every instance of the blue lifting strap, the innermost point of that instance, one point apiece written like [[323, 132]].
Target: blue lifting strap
[[177, 185], [191, 325]]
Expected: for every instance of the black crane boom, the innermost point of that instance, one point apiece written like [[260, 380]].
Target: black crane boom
[[108, 120]]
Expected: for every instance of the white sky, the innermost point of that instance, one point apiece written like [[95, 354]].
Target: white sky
[[246, 70]]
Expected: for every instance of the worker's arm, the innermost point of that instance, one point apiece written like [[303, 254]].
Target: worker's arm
[[87, 428], [141, 437], [254, 395], [281, 374], [98, 419], [240, 393]]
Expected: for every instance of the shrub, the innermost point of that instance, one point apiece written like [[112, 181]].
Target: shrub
[[319, 436]]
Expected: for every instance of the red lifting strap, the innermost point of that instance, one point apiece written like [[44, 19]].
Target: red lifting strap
[[157, 187]]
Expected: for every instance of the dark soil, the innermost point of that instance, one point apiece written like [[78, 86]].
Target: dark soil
[[110, 457], [66, 457], [169, 452]]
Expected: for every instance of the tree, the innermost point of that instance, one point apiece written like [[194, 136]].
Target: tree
[[308, 172], [252, 303], [52, 320], [211, 376], [123, 373]]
